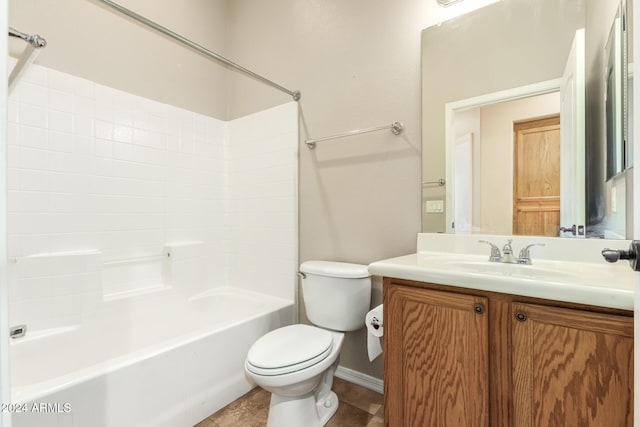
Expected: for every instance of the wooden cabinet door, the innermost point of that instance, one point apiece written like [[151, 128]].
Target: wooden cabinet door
[[436, 358], [536, 177], [571, 367]]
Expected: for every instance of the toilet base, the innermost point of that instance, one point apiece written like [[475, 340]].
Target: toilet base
[[301, 411]]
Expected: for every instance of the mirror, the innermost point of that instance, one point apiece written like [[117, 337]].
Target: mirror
[[615, 79], [501, 95]]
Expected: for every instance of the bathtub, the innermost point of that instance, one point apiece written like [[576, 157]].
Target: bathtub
[[153, 360]]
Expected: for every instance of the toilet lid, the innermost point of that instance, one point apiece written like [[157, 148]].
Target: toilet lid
[[289, 349]]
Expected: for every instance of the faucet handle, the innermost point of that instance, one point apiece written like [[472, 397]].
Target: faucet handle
[[525, 257], [495, 251]]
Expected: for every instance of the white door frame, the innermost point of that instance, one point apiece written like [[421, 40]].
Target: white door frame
[[573, 139], [450, 110], [468, 142], [636, 221], [5, 388]]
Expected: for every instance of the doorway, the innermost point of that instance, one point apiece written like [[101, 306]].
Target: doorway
[[536, 176]]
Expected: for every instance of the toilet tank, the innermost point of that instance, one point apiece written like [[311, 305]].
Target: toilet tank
[[336, 295]]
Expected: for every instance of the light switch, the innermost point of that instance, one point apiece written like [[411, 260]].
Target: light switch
[[434, 206]]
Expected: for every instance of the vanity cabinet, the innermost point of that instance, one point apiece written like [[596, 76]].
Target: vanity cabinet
[[435, 345], [458, 357], [571, 367]]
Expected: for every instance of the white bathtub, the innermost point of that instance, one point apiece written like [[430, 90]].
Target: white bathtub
[[153, 360]]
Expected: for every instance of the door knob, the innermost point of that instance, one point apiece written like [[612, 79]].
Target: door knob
[[613, 255], [576, 230]]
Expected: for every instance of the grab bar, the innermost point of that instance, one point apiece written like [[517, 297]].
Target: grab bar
[[395, 127], [441, 182]]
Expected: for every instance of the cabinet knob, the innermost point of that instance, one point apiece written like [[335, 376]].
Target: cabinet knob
[[521, 316], [478, 308]]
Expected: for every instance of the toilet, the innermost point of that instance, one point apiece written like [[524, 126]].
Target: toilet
[[296, 363]]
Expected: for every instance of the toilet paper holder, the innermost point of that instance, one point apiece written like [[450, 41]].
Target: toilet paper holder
[[376, 323]]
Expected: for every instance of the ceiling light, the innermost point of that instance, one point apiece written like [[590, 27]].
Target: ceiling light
[[446, 3]]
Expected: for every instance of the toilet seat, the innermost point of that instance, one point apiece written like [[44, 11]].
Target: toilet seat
[[289, 349]]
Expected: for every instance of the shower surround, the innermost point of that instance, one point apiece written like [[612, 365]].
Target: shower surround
[[147, 231]]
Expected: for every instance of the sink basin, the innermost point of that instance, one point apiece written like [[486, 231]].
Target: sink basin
[[515, 270], [569, 270]]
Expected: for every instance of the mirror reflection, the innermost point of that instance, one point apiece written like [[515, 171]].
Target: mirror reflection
[[615, 79], [524, 108], [496, 141]]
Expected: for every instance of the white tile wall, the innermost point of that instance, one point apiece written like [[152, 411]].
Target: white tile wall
[[262, 205], [55, 289], [186, 267], [94, 168]]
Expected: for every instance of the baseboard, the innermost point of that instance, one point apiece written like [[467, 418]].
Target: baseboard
[[364, 380]]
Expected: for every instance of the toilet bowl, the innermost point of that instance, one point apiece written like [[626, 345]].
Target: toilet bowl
[[297, 363], [301, 386]]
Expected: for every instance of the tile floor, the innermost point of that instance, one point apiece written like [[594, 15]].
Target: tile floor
[[359, 407]]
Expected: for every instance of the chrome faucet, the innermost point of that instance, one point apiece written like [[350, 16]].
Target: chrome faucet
[[495, 256], [524, 257], [506, 256], [507, 252]]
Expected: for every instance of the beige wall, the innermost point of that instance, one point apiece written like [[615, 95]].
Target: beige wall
[[357, 65], [496, 164], [93, 42]]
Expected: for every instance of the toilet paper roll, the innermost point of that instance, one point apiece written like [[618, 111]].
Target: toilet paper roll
[[375, 330]]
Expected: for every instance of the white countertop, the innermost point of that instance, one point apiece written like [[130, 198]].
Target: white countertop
[[594, 282]]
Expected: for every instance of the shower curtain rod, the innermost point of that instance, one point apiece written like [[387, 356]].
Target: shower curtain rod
[[33, 39], [35, 44], [201, 49]]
